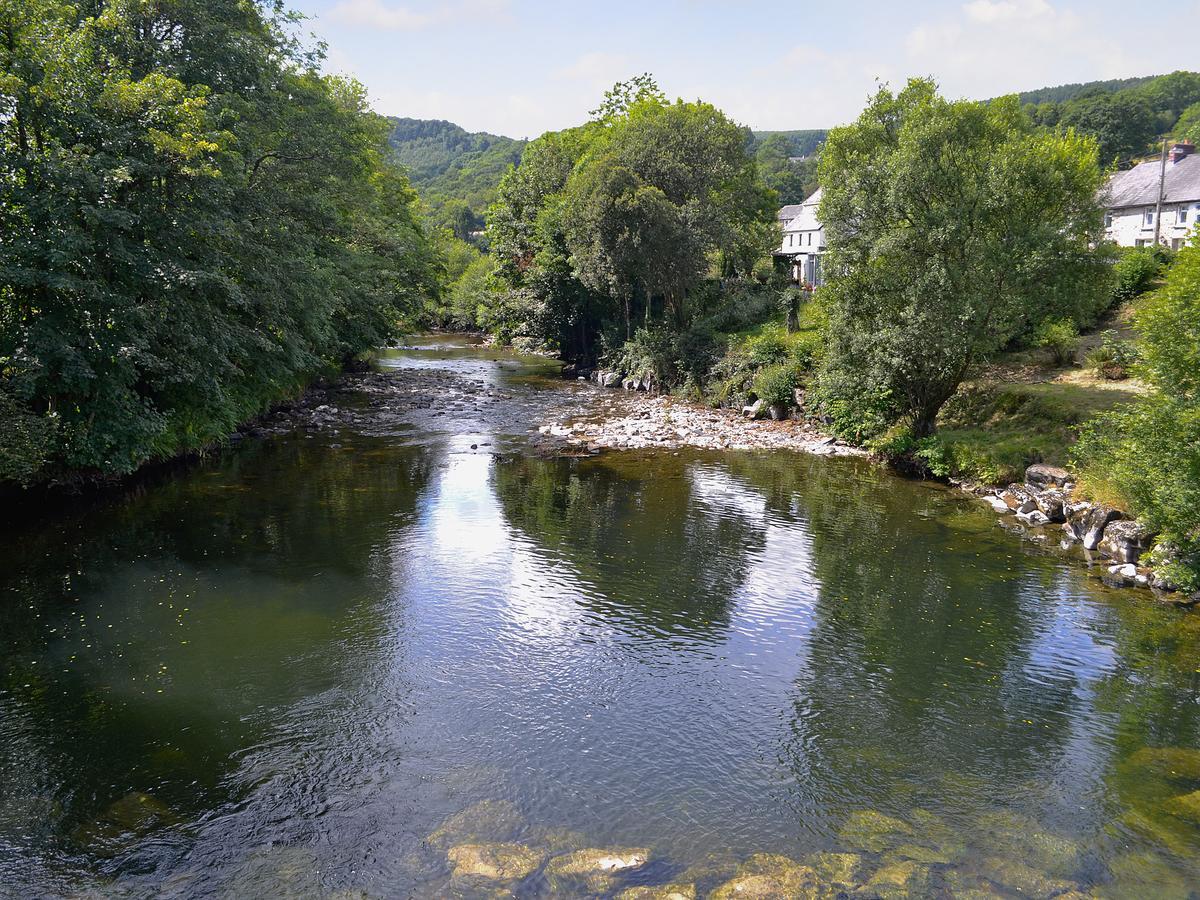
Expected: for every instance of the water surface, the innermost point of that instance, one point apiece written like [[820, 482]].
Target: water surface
[[279, 672]]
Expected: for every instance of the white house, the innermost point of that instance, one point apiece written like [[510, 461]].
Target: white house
[[1132, 197], [803, 241]]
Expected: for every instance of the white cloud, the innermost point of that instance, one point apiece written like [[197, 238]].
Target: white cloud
[[381, 15], [990, 11]]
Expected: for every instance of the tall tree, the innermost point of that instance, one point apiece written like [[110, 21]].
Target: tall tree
[[952, 227]]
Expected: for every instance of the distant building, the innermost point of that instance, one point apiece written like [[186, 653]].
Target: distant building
[[1132, 198], [803, 241]]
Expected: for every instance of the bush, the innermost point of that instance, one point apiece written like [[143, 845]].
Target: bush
[[27, 441], [1061, 338], [734, 374], [1114, 358], [776, 385], [1136, 271], [668, 359]]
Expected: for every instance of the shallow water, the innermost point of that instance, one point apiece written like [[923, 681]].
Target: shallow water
[[278, 673]]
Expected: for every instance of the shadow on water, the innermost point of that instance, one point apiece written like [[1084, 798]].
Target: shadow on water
[[341, 661]]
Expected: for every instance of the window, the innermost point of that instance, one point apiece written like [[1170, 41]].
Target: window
[[1140, 243], [791, 240], [810, 239], [1183, 215], [1148, 218], [1108, 220]]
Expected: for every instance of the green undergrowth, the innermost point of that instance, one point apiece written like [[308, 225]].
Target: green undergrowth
[[991, 434]]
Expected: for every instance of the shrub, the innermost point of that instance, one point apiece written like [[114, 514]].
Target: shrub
[[776, 385], [27, 441], [1061, 338], [668, 359], [1136, 270], [1113, 358]]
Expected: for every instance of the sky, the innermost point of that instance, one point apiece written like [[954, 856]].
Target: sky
[[523, 67]]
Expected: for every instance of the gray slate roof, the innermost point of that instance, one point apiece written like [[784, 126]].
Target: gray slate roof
[[1139, 186], [787, 213]]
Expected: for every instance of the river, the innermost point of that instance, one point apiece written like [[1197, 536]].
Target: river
[[312, 664]]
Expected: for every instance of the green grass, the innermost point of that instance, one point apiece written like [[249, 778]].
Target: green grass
[[991, 434]]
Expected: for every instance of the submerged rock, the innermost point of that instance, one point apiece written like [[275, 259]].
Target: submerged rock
[[488, 820], [840, 869], [1018, 877], [596, 868], [1147, 875], [874, 831], [1172, 763], [659, 892], [500, 861], [1186, 807], [899, 879], [769, 876]]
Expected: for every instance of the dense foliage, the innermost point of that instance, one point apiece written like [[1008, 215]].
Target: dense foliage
[[193, 222], [1126, 117], [621, 220], [1148, 455], [953, 227]]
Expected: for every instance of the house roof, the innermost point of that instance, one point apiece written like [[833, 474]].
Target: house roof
[[789, 212], [1139, 186], [805, 218]]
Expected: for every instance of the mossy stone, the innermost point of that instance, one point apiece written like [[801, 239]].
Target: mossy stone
[[874, 831], [497, 861], [770, 876]]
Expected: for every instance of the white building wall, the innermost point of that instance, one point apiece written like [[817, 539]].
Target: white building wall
[[1134, 226]]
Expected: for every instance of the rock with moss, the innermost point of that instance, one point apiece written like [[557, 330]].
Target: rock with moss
[[837, 869], [1022, 879], [659, 892], [871, 830], [961, 885], [1018, 836], [898, 880], [595, 868], [1171, 763], [769, 876], [488, 820], [1146, 875], [495, 861], [1186, 806]]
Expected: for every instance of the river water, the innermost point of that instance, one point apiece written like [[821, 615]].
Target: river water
[[311, 664]]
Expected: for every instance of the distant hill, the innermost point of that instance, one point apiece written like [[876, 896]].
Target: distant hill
[[1064, 92], [447, 162], [803, 143]]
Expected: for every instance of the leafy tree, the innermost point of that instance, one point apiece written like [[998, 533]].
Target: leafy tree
[[624, 94], [1187, 128], [793, 179], [1123, 124], [953, 227], [1148, 454], [193, 223]]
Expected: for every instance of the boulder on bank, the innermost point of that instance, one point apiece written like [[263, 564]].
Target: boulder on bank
[[1052, 504], [754, 410], [1096, 522], [1125, 541], [1042, 476]]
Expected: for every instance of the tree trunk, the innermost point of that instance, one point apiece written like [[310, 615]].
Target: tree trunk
[[628, 319]]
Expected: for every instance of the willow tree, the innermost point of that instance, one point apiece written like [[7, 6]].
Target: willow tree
[[952, 228]]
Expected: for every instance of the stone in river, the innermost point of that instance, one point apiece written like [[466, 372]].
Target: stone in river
[[899, 879], [659, 892], [1186, 807], [769, 876], [594, 867], [496, 861], [1172, 763], [488, 820], [1021, 879], [871, 830]]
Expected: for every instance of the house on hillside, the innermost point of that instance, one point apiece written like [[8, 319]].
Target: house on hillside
[[803, 242], [1132, 199]]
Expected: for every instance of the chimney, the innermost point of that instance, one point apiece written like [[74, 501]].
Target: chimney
[[1181, 149]]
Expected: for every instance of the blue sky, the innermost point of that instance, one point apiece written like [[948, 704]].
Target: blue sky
[[520, 67]]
